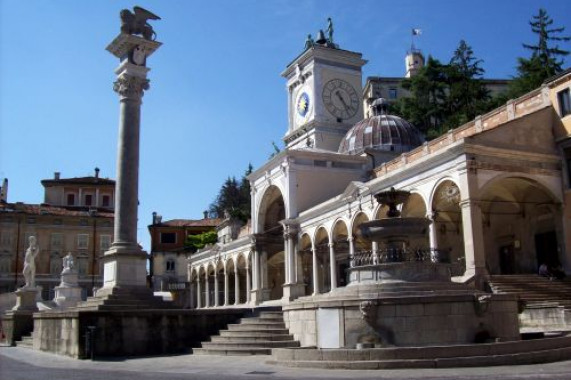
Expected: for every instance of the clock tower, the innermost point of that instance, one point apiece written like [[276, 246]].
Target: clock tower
[[324, 86]]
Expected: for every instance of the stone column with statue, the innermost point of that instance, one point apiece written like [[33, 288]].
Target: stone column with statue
[[124, 264]]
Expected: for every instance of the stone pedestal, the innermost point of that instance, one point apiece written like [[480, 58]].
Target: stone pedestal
[[26, 299], [68, 293], [293, 291]]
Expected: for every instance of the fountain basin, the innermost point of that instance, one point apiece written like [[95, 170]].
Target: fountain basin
[[392, 228]]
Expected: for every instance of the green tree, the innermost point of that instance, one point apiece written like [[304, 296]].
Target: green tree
[[546, 57], [233, 198], [199, 241], [467, 94], [428, 96]]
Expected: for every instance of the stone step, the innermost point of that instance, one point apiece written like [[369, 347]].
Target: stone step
[[261, 321], [256, 327], [250, 338], [248, 344], [254, 333], [26, 342], [520, 358], [232, 351]]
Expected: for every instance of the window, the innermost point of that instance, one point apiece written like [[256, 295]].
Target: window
[[71, 199], [564, 102], [5, 265], [171, 265], [82, 241], [55, 263], [392, 93], [31, 220], [57, 222], [168, 237], [106, 201], [88, 199], [82, 265], [56, 240], [104, 242], [5, 239], [83, 222]]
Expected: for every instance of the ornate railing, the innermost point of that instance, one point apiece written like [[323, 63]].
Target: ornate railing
[[397, 255]]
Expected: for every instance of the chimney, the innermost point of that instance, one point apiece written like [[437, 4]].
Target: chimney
[[205, 213], [4, 191], [56, 176], [96, 172]]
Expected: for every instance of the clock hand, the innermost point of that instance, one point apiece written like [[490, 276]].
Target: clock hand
[[342, 100]]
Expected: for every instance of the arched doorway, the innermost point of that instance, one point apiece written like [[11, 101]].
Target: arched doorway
[[271, 243], [231, 278], [522, 226]]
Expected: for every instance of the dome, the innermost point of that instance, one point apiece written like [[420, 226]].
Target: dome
[[381, 133]]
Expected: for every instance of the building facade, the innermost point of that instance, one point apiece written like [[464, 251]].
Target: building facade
[[169, 253], [76, 216], [496, 190]]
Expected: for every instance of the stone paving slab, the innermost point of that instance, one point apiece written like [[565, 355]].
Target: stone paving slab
[[246, 366]]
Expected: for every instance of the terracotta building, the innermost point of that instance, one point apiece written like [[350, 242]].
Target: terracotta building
[[76, 216]]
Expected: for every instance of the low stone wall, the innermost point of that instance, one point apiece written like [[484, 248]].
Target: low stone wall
[[404, 321], [15, 324], [545, 317], [128, 333]]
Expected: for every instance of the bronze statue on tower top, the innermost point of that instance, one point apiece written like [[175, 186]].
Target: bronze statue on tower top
[[136, 23]]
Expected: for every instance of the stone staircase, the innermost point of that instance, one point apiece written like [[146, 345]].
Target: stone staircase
[[533, 288], [27, 341], [547, 302], [251, 336]]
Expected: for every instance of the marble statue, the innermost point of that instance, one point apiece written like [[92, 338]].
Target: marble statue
[[30, 263], [136, 23], [68, 264], [309, 42]]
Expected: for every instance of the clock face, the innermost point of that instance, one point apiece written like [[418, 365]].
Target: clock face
[[303, 106], [340, 99]]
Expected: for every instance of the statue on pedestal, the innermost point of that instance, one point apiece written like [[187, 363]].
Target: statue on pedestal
[[30, 263], [136, 23], [68, 264]]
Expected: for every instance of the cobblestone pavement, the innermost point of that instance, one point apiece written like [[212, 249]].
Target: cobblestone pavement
[[25, 364]]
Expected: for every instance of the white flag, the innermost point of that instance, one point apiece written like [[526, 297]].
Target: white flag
[[416, 32]]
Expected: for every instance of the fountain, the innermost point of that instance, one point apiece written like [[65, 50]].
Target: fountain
[[401, 295], [397, 261]]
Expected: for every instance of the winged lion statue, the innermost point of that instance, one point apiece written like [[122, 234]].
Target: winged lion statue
[[136, 23]]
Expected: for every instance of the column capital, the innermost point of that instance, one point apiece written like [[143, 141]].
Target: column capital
[[130, 87], [467, 203], [331, 245]]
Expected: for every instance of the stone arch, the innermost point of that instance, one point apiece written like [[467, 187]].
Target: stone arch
[[522, 225], [242, 264], [230, 277], [270, 212], [340, 237], [305, 255], [321, 239], [360, 243], [415, 207], [202, 285], [448, 232]]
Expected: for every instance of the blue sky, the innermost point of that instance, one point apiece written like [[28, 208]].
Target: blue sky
[[217, 100]]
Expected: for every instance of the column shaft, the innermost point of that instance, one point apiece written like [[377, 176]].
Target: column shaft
[[332, 266]]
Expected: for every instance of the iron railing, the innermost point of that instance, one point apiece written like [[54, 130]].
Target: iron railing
[[397, 255]]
